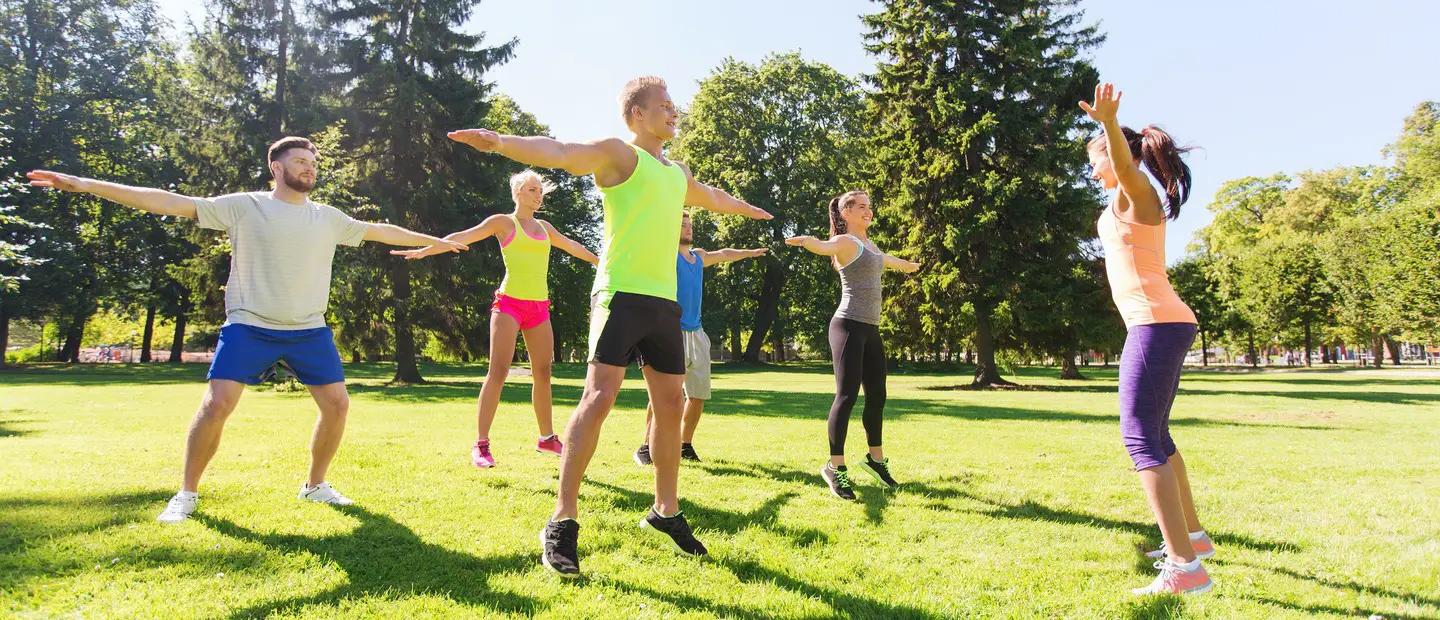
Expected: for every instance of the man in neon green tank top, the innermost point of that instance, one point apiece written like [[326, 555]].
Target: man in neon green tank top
[[633, 312]]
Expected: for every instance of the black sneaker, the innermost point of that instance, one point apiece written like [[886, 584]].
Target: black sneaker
[[557, 547], [880, 470], [642, 455], [677, 529], [687, 452], [839, 481]]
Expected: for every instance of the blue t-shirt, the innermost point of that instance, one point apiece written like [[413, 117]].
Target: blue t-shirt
[[688, 289]]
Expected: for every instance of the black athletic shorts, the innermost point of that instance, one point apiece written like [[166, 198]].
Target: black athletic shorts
[[626, 327]]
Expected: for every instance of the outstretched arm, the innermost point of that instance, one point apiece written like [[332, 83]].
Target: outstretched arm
[[715, 199], [570, 246], [900, 264], [391, 234], [1104, 111], [492, 225], [729, 255], [577, 158], [157, 201], [842, 249]]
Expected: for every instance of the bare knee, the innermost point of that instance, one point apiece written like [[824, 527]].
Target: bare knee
[[540, 371], [216, 407]]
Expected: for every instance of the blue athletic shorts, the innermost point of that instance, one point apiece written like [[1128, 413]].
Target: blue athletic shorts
[[246, 351]]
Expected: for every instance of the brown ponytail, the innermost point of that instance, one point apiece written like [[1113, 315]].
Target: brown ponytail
[[1155, 149]]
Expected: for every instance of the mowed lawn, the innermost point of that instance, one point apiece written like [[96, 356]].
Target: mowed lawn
[[1321, 489]]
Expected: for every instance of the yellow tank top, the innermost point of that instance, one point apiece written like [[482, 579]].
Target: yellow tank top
[[1135, 266], [527, 264]]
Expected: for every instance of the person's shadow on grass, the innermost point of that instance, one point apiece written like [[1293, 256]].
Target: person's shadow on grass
[[384, 559]]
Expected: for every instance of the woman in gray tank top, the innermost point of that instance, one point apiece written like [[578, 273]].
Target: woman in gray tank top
[[855, 345]]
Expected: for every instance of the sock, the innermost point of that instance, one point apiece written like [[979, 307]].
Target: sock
[[1197, 534], [550, 436], [1187, 568], [188, 495]]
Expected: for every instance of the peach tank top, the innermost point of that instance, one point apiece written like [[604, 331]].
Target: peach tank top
[[1135, 265]]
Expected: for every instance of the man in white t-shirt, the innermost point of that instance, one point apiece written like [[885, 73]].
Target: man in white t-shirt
[[282, 246]]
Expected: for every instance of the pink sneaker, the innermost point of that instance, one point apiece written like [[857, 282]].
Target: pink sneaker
[[1204, 549], [480, 455], [1175, 580], [549, 445]]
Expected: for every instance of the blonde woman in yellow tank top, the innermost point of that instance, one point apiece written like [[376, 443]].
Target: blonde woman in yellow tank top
[[522, 306], [1160, 328]]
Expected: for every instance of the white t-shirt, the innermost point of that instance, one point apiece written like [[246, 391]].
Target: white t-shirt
[[280, 256]]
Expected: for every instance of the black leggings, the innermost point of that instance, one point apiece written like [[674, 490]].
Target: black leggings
[[859, 357]]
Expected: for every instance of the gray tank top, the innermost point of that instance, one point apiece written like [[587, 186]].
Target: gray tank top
[[860, 286]]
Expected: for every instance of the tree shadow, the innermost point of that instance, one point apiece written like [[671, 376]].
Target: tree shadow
[[94, 374], [843, 604], [703, 517], [1358, 588], [10, 427], [383, 559], [35, 520], [1315, 610]]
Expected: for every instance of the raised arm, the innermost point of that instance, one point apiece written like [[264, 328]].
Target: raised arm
[[487, 228], [1137, 187], [570, 246], [900, 264], [577, 158], [698, 194], [157, 201], [729, 255]]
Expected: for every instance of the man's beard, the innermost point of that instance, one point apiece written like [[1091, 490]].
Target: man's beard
[[687, 240], [298, 184]]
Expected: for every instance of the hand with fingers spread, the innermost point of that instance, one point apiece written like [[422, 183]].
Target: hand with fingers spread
[[1106, 105], [479, 139], [57, 180]]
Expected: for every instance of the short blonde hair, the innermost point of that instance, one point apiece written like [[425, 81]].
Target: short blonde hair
[[635, 92], [518, 180]]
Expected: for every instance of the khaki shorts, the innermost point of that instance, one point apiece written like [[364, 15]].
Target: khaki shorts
[[697, 364]]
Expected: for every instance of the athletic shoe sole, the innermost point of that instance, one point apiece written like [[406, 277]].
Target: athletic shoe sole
[[865, 466], [673, 545], [546, 561], [1201, 589]]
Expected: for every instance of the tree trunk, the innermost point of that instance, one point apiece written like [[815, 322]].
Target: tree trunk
[[1307, 344], [282, 62], [1068, 369], [777, 340], [767, 309], [987, 372], [1324, 353], [1377, 349], [4, 334], [969, 356], [74, 334], [735, 336], [1394, 350], [177, 345], [1204, 349], [148, 335], [1254, 355], [355, 357], [406, 368]]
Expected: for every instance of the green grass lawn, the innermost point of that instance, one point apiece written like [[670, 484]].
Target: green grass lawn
[[1321, 490]]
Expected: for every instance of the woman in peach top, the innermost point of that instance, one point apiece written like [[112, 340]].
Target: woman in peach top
[[1160, 328]]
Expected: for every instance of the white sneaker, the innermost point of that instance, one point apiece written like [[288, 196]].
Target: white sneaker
[[178, 509], [324, 494]]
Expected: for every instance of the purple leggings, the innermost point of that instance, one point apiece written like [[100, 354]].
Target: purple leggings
[[1149, 376]]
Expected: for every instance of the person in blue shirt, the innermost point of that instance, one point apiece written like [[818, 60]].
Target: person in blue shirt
[[689, 265]]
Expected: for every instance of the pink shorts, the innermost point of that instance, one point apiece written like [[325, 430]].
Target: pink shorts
[[527, 312]]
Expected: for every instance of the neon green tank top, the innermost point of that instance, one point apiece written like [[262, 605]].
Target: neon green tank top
[[527, 265], [642, 230]]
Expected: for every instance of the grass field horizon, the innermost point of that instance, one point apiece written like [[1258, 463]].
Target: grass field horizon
[[1318, 486]]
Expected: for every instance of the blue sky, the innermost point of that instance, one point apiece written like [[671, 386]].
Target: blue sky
[[1261, 86]]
